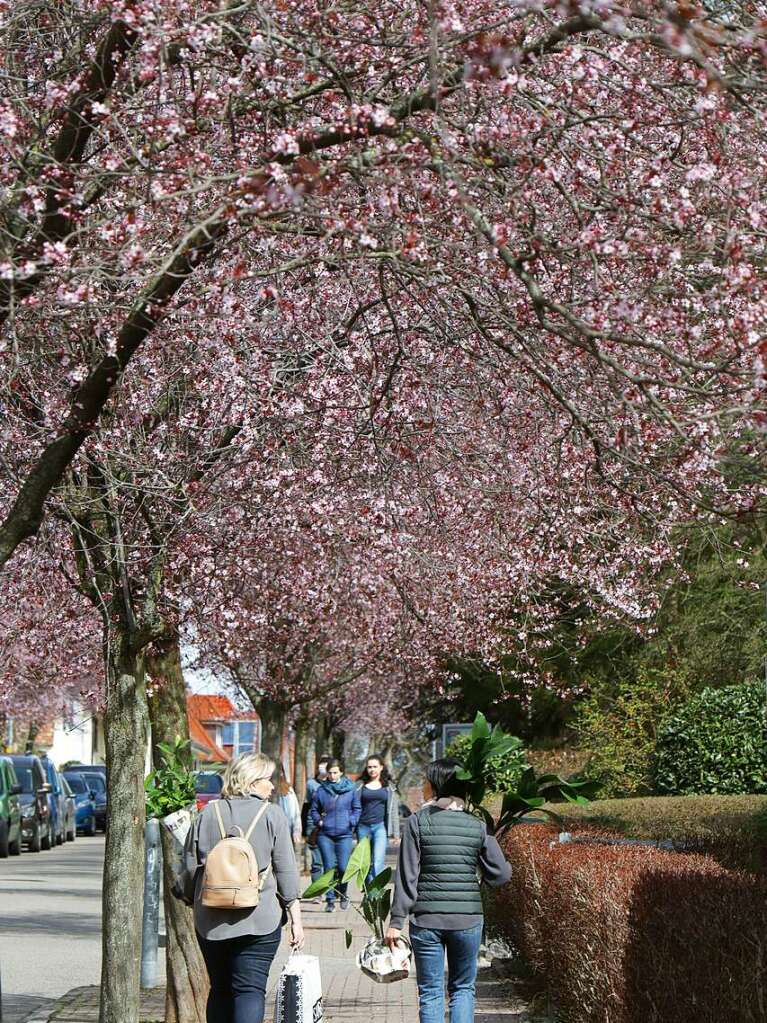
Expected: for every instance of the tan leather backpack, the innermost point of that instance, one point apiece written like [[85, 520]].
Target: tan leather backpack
[[231, 879]]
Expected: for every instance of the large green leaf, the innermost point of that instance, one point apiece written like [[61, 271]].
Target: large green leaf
[[321, 885], [359, 863], [380, 880], [480, 729]]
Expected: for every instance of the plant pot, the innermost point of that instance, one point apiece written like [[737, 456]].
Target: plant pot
[[179, 824]]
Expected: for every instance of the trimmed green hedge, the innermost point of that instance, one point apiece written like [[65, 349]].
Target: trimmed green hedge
[[714, 743], [731, 829]]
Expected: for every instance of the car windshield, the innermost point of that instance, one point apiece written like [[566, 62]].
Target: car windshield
[[24, 774], [207, 784], [97, 783], [77, 783]]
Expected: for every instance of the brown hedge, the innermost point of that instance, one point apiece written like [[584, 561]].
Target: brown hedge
[[636, 935]]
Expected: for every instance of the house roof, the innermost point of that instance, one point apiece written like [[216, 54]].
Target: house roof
[[209, 708], [206, 749]]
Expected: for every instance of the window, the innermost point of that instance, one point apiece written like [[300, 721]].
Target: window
[[246, 737], [227, 734], [77, 783]]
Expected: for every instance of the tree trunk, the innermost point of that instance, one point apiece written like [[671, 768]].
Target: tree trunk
[[322, 738], [273, 717], [187, 979], [302, 747], [123, 883]]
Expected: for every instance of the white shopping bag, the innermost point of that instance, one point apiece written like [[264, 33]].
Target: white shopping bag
[[299, 991], [385, 965]]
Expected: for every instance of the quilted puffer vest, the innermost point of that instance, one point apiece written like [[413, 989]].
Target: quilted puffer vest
[[450, 842]]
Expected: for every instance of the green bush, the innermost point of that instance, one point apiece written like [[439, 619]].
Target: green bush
[[502, 773], [617, 727], [714, 743]]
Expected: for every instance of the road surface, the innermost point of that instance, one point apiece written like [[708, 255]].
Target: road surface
[[50, 924]]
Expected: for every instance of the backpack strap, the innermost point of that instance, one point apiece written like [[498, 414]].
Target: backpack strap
[[218, 817], [256, 819]]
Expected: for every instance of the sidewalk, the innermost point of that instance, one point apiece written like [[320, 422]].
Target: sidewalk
[[348, 996]]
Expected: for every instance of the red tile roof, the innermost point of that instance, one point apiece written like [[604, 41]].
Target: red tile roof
[[209, 708], [200, 738]]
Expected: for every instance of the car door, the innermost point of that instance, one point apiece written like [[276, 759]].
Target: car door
[[13, 788]]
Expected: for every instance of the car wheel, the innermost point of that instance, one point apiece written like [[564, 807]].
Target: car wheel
[[3, 840], [14, 848], [91, 827], [60, 836], [72, 833], [35, 845], [47, 840]]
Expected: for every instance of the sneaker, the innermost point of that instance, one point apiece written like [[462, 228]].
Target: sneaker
[[330, 907], [344, 903]]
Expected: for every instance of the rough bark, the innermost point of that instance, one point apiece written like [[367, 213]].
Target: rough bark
[[273, 717], [187, 980], [126, 743], [302, 748]]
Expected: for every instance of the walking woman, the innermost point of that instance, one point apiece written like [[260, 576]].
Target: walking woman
[[443, 850], [238, 945], [379, 819], [335, 811]]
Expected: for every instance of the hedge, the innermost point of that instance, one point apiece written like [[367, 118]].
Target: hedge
[[636, 935], [732, 829]]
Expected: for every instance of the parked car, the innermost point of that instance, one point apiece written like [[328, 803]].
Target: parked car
[[70, 810], [96, 776], [56, 798], [85, 803], [207, 786], [36, 822], [10, 810]]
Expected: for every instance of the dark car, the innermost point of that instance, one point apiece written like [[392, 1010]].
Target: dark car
[[56, 798], [207, 786], [36, 822], [70, 810], [85, 805], [10, 810]]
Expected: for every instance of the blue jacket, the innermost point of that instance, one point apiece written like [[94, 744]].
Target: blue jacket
[[335, 814]]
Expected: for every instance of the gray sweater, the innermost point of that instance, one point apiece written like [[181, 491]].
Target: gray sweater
[[491, 864], [272, 843]]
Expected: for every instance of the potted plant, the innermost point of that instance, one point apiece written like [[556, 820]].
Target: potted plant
[[376, 896], [170, 795], [531, 792]]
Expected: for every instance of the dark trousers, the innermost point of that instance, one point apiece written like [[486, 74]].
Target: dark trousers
[[238, 969]]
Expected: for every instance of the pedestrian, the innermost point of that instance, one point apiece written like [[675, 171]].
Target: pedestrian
[[379, 819], [443, 850], [335, 811], [239, 945], [308, 827], [287, 800]]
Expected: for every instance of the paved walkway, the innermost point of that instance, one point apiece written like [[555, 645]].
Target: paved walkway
[[348, 996]]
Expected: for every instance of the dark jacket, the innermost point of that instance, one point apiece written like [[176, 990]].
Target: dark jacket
[[336, 814], [414, 867]]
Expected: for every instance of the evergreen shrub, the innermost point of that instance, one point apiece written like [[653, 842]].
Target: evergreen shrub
[[503, 772], [715, 743]]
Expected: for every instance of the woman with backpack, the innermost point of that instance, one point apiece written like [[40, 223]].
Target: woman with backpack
[[379, 819], [335, 812], [443, 850], [240, 874]]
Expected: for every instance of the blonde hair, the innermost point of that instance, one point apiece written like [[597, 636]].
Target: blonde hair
[[242, 774]]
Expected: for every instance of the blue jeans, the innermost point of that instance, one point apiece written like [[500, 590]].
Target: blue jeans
[[316, 869], [335, 851], [238, 969], [378, 842], [429, 947]]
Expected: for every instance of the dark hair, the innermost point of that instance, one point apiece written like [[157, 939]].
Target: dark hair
[[441, 776], [385, 776], [323, 759], [334, 762]]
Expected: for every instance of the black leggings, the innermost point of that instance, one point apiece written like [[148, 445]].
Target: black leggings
[[239, 969]]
